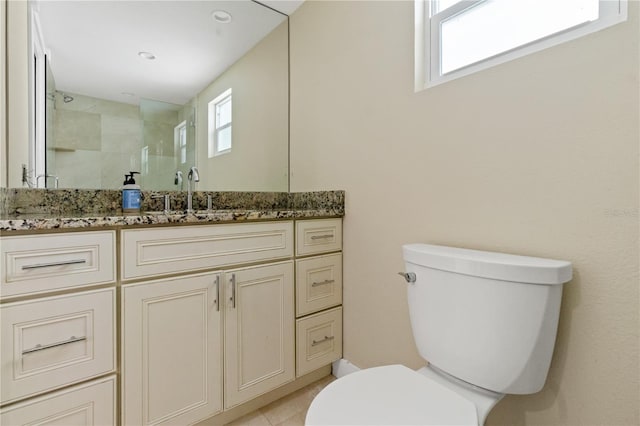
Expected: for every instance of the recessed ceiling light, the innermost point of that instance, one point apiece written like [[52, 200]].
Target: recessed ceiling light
[[221, 16], [147, 55]]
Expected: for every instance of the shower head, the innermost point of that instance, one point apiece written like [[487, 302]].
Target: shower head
[[67, 98]]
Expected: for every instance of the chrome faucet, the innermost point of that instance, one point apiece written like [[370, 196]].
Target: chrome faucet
[[192, 176], [167, 202], [178, 180]]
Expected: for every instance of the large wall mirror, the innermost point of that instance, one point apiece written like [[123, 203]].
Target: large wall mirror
[[155, 87]]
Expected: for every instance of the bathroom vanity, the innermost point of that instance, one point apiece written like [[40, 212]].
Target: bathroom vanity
[[166, 320]]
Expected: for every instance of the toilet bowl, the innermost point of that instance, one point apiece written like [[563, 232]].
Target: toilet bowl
[[485, 321]]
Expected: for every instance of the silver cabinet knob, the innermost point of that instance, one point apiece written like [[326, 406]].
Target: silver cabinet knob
[[410, 277]]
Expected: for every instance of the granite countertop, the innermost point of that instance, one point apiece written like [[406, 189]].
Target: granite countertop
[[37, 209], [41, 221]]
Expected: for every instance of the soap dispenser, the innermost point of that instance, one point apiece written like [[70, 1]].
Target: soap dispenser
[[130, 194]]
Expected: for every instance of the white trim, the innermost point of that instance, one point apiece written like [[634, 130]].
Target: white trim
[[342, 367], [38, 95], [435, 56], [419, 43], [39, 105], [17, 75], [427, 71]]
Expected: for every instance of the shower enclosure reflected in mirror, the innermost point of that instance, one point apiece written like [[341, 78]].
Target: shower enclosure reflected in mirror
[[88, 138], [158, 87]]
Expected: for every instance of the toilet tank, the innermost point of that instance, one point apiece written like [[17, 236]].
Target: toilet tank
[[489, 319]]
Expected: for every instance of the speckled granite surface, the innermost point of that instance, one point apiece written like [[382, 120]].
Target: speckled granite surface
[[37, 209]]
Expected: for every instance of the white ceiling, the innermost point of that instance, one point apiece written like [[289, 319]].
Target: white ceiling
[[94, 45]]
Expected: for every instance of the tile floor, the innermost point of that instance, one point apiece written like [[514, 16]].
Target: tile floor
[[288, 411]]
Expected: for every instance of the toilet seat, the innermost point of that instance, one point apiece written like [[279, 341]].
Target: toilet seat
[[390, 395]]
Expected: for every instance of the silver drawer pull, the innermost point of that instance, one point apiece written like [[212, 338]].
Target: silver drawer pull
[[317, 283], [40, 347], [48, 265], [321, 237], [326, 339]]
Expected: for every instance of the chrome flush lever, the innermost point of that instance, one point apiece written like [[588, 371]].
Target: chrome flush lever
[[410, 277]]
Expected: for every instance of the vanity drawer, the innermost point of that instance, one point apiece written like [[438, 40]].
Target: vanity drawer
[[52, 342], [45, 262], [318, 340], [318, 236], [318, 283], [148, 252], [88, 404]]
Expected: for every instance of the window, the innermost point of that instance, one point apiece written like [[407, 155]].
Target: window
[[220, 124], [180, 141], [458, 37]]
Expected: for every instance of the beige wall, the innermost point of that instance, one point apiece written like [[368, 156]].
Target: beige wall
[[538, 156], [258, 160]]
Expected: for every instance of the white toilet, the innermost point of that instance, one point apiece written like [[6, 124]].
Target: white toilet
[[486, 322]]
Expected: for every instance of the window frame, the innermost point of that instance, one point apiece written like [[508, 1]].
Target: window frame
[[427, 39], [214, 129]]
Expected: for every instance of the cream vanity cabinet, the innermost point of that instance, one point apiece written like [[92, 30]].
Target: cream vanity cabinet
[[318, 293], [194, 344], [259, 331], [58, 351]]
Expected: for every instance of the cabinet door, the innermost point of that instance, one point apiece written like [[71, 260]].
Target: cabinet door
[[171, 362], [259, 331]]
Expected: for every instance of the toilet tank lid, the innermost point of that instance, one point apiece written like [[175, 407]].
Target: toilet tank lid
[[499, 266]]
